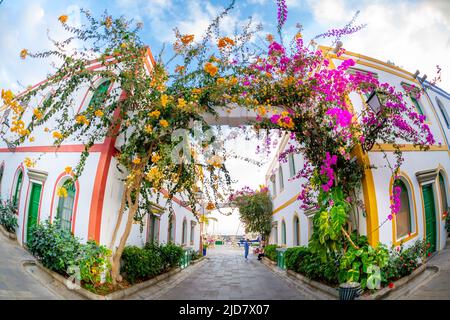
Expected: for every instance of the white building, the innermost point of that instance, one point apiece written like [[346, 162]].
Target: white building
[[424, 175], [91, 207]]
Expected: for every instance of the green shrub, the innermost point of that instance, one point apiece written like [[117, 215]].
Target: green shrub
[[294, 256], [60, 251], [171, 255], [57, 249], [403, 262], [141, 263], [8, 216], [270, 251], [310, 264], [93, 261]]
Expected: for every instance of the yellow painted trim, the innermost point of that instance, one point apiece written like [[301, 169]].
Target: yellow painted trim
[[405, 147], [370, 197], [287, 203], [361, 56], [442, 171], [368, 185], [395, 241], [368, 64]]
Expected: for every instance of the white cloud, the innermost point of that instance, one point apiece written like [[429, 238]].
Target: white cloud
[[414, 35]]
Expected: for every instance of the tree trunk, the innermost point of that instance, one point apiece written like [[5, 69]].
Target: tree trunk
[[119, 220], [115, 265]]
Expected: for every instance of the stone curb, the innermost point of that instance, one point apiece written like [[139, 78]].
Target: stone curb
[[399, 285], [10, 235], [312, 285], [117, 295]]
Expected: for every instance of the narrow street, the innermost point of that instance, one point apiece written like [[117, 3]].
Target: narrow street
[[226, 275]]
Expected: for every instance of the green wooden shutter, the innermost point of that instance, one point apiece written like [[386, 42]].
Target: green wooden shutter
[[18, 187], [417, 105], [100, 95], [33, 209], [430, 217]]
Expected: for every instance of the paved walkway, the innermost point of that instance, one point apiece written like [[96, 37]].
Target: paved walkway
[[225, 275], [15, 282], [438, 287]]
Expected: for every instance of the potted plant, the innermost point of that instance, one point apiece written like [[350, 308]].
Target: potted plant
[[349, 290]]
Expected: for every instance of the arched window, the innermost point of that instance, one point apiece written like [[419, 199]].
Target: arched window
[[280, 176], [444, 112], [283, 232], [2, 168], [65, 208], [99, 96], [171, 229], [292, 170], [275, 232], [444, 193], [17, 188], [403, 219], [192, 234], [184, 232], [296, 231]]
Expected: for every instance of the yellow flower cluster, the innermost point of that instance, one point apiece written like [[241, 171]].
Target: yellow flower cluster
[[136, 160], [19, 127], [23, 53], [57, 135], [108, 22], [181, 103], [62, 192], [29, 163], [225, 42], [148, 128], [68, 169], [156, 157], [154, 174], [155, 114], [98, 113], [186, 39], [210, 206], [164, 100], [63, 19], [211, 69], [81, 119], [38, 114], [163, 123], [8, 99]]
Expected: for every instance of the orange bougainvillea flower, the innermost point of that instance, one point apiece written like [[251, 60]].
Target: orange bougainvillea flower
[[211, 69], [186, 39], [179, 69], [23, 53], [108, 22], [225, 42], [210, 206], [136, 160], [63, 18], [68, 169]]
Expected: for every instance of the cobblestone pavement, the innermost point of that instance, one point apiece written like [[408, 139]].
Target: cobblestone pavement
[[15, 282], [225, 275], [438, 287]]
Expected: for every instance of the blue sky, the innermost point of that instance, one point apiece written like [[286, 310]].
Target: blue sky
[[412, 34]]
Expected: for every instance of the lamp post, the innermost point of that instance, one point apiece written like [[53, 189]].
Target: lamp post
[[374, 102], [199, 197]]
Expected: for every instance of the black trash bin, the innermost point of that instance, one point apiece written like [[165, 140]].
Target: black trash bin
[[349, 290]]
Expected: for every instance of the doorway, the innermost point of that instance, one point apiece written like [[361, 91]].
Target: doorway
[[430, 216], [33, 208]]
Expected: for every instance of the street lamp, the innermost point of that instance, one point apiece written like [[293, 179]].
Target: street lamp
[[374, 102]]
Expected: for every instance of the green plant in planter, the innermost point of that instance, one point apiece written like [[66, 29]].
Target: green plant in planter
[[403, 262], [94, 263], [270, 251], [8, 216], [364, 263]]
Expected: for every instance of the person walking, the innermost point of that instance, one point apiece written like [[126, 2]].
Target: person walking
[[246, 248]]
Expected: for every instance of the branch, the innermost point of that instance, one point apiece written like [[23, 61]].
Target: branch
[[349, 239]]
